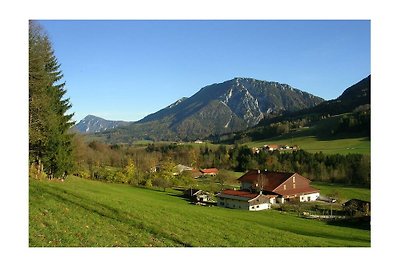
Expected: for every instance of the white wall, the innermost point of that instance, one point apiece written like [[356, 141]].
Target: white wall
[[242, 204], [234, 203], [312, 196], [262, 206], [280, 200]]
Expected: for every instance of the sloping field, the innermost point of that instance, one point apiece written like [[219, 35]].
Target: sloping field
[[345, 192], [83, 213], [319, 137], [313, 144]]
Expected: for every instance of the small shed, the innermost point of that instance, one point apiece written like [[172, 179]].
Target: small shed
[[198, 195], [181, 168]]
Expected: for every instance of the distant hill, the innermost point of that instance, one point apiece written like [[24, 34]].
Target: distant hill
[[93, 124], [232, 105]]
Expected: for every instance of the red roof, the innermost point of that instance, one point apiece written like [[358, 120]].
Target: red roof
[[239, 193], [244, 194], [211, 170], [270, 180]]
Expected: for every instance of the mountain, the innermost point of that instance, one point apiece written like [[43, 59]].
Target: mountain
[[229, 106], [93, 124], [348, 114], [245, 99]]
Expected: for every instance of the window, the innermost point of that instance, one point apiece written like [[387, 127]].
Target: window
[[294, 179], [294, 186], [257, 206], [284, 187]]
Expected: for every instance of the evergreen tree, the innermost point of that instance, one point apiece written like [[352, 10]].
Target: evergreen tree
[[49, 141]]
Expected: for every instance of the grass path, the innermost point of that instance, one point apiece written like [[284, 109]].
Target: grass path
[[80, 213]]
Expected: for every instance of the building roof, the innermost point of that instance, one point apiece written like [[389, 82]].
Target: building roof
[[239, 193], [195, 192], [243, 194], [182, 168], [270, 180], [191, 192], [211, 170]]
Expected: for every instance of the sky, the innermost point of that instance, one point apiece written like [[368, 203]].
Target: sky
[[127, 69]]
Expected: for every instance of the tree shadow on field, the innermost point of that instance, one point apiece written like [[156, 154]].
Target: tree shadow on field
[[109, 212], [181, 196], [363, 223], [309, 232]]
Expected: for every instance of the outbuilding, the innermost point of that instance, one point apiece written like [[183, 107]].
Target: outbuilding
[[242, 199]]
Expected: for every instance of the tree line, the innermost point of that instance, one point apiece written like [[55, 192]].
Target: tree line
[[50, 150], [94, 156]]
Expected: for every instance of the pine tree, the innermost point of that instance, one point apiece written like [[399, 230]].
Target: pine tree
[[49, 141]]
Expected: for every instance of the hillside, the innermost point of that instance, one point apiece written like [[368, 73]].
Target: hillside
[[219, 108], [346, 117], [355, 96], [84, 213]]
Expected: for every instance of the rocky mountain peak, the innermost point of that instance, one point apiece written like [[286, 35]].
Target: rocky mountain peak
[[94, 124], [218, 108]]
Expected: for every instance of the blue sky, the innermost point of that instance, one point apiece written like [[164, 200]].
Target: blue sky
[[125, 70]]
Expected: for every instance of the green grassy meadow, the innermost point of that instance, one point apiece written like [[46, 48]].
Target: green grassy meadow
[[313, 144], [84, 213], [319, 137], [345, 192]]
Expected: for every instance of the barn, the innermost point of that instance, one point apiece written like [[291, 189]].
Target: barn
[[288, 185]]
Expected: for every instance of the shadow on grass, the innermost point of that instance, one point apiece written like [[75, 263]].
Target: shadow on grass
[[311, 232], [179, 196], [333, 137], [108, 212], [363, 223]]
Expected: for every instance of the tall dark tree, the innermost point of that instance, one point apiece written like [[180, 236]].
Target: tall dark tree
[[49, 141]]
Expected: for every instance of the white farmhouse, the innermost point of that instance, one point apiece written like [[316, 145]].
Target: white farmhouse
[[240, 199]]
